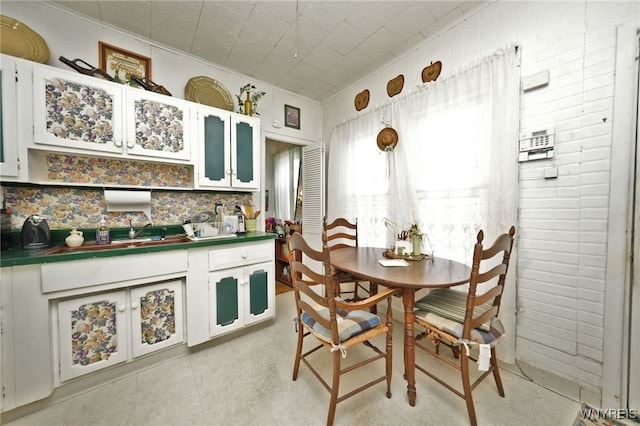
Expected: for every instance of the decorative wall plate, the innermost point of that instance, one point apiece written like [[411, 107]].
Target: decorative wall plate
[[431, 72], [208, 91], [394, 86], [17, 39], [387, 139], [362, 100]]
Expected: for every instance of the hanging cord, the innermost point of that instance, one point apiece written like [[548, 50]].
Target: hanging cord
[[297, 35]]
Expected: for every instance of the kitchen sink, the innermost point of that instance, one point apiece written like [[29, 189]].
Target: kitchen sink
[[116, 244]]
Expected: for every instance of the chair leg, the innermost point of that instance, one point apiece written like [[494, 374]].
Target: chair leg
[[466, 385], [296, 363], [496, 372], [389, 349], [373, 290], [335, 386]]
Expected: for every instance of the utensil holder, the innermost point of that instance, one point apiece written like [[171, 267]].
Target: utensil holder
[[250, 224]]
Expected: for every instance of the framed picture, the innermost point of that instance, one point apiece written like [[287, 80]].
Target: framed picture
[[122, 64], [292, 117]]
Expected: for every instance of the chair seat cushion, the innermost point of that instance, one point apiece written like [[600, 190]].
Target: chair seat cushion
[[450, 304], [345, 277], [491, 337], [350, 323]]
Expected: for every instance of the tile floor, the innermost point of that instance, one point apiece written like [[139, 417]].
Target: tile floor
[[247, 381]]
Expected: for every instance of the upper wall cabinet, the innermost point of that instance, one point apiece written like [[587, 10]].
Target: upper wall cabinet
[[8, 118], [81, 114], [228, 148], [157, 125]]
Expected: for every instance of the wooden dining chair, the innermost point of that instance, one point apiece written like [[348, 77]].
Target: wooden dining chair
[[340, 234], [463, 320], [334, 324]]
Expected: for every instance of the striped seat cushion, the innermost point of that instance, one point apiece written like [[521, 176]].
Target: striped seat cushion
[[450, 304], [350, 323]]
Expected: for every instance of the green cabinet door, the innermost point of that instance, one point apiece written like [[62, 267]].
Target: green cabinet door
[[215, 148], [258, 299], [227, 301], [244, 153]]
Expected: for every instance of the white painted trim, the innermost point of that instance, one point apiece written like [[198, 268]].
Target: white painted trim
[[616, 320]]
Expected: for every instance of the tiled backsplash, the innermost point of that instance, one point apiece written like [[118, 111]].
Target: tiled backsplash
[[66, 207]]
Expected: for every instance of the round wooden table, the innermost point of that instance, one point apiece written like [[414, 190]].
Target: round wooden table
[[436, 272]]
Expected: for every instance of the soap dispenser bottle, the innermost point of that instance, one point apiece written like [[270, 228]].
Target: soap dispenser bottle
[[103, 235]]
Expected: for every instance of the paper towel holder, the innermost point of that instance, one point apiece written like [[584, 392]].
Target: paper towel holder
[[128, 201]]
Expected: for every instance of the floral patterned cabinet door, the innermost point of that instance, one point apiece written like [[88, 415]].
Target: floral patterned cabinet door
[[92, 332], [77, 112], [157, 126], [157, 319]]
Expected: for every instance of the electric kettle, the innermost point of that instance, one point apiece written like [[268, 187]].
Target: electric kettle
[[35, 233]]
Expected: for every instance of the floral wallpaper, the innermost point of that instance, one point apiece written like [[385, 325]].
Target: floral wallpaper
[[67, 207], [84, 207], [107, 171], [159, 126], [93, 333], [79, 112], [157, 316]]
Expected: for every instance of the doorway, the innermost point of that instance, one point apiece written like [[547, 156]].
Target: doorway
[[283, 190]]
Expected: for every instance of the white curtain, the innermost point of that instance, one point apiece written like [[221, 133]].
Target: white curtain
[[285, 175], [453, 172]]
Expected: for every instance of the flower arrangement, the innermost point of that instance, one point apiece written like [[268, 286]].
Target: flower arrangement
[[252, 95], [413, 234]]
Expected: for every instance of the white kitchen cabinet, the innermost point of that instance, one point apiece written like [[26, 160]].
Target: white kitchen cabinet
[[8, 118], [157, 319], [16, 117], [157, 125], [86, 115], [92, 333], [102, 330], [229, 149], [240, 297], [74, 111]]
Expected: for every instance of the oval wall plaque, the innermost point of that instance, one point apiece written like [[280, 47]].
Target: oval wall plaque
[[394, 86], [431, 72], [362, 100]]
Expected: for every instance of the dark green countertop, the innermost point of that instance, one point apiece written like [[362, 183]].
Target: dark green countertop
[[16, 256]]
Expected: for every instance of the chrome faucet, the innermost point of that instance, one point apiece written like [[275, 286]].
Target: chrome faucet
[[133, 234]]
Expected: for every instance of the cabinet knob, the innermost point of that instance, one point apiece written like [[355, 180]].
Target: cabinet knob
[[121, 308], [244, 255], [117, 143], [130, 144], [134, 306]]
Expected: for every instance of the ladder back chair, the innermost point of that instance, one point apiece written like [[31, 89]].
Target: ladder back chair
[[334, 325], [466, 319], [340, 234]]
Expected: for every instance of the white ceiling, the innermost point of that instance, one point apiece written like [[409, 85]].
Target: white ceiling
[[338, 42]]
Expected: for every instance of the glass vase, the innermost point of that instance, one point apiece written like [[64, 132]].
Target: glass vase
[[416, 240]]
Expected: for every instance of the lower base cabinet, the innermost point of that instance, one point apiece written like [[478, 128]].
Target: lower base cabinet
[[240, 297], [102, 330]]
